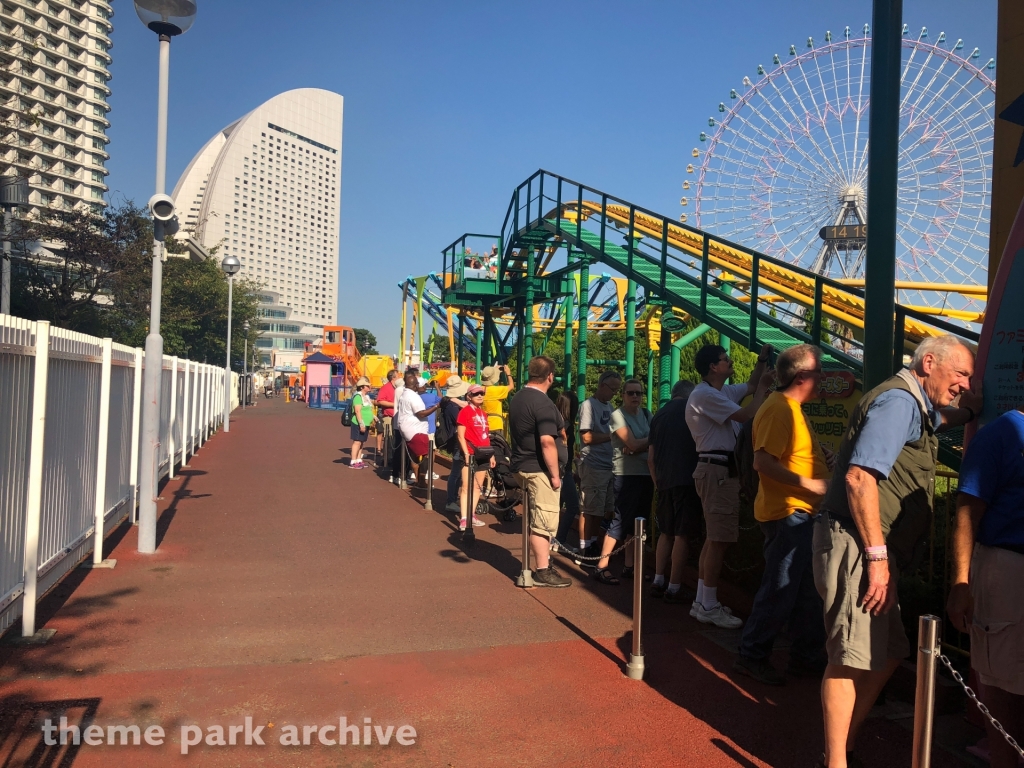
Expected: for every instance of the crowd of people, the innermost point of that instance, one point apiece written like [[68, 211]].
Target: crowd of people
[[838, 528]]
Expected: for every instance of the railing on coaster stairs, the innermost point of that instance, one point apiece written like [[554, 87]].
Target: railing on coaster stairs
[[745, 295]]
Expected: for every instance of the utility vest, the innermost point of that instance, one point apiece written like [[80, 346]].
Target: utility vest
[[905, 496]]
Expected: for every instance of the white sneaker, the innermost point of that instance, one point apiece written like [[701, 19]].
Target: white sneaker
[[720, 616], [436, 476], [694, 609]]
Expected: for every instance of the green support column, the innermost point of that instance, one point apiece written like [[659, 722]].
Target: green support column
[[665, 364], [531, 264], [685, 341], [567, 307], [630, 326], [521, 361], [458, 346], [883, 163], [584, 313], [650, 370], [726, 344], [479, 351], [488, 335]]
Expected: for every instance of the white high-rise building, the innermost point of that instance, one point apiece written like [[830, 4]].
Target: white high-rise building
[[267, 189], [55, 66]]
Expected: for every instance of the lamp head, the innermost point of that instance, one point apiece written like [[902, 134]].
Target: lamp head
[[245, 326], [671, 323], [167, 17], [230, 265]]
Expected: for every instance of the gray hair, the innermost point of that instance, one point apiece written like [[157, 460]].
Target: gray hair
[[682, 389], [941, 347]]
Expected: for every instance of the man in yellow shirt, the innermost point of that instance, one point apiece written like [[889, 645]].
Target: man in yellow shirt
[[496, 394], [793, 471]]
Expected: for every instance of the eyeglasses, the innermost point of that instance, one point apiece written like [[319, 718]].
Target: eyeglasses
[[634, 393]]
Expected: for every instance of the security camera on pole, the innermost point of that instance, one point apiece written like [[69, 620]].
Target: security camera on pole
[[167, 18], [230, 265]]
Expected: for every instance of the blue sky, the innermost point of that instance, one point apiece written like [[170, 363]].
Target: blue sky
[[449, 105]]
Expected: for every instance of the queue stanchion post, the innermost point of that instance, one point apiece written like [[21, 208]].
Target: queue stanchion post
[[924, 699], [401, 472], [469, 536], [526, 576], [430, 475], [635, 668]]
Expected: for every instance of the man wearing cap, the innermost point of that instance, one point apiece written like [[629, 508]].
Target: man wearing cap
[[454, 401], [496, 394], [596, 476]]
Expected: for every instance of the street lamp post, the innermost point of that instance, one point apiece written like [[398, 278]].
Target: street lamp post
[[14, 192], [245, 365], [167, 18], [230, 265]]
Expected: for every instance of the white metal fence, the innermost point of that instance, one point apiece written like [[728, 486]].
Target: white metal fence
[[69, 446]]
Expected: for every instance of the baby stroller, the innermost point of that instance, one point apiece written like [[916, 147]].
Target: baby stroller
[[501, 492]]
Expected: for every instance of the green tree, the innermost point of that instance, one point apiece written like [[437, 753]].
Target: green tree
[[366, 342], [437, 349]]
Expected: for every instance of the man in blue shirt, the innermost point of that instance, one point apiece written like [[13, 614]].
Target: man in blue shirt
[[988, 570]]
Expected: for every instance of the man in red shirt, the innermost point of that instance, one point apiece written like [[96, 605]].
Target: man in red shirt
[[473, 435]]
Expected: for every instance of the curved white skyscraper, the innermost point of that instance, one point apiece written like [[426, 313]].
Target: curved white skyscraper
[[268, 189]]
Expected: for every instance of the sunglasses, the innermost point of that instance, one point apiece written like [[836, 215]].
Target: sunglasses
[[634, 393], [476, 394]]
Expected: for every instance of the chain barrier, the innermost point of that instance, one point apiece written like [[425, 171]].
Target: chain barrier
[[984, 710], [572, 553]]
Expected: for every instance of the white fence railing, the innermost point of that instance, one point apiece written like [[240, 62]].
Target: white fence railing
[[69, 446]]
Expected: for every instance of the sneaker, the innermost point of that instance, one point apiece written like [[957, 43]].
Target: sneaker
[[436, 476], [412, 477], [720, 616], [694, 609], [659, 590], [759, 669], [453, 508], [549, 577], [673, 598], [477, 522], [462, 524]]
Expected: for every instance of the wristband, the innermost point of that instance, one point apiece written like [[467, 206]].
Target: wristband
[[876, 554]]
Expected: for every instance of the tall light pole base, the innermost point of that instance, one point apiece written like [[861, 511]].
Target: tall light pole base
[[107, 564]]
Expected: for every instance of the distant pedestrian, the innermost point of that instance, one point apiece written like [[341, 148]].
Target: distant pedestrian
[[597, 481], [634, 490], [672, 460], [793, 472], [454, 401], [537, 456], [986, 599], [362, 418], [876, 514], [714, 414], [412, 415]]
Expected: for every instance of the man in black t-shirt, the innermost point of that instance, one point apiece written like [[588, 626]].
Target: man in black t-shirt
[[538, 453], [672, 458]]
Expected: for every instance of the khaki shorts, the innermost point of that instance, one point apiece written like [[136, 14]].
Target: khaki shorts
[[720, 497], [545, 502], [997, 633], [597, 493], [855, 638]]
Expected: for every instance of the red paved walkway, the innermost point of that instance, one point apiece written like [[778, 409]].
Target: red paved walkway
[[293, 590]]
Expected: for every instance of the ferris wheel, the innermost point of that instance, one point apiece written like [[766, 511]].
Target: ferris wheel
[[783, 167]]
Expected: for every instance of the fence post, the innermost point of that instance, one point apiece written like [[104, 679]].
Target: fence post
[[635, 668], [185, 433], [33, 506], [172, 419], [99, 520], [924, 699], [401, 471], [469, 535], [136, 410], [526, 576]]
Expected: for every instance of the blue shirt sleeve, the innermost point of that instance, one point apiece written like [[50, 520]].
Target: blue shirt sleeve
[[981, 465], [892, 421]]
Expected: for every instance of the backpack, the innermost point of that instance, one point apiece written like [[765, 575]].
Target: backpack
[[346, 412], [744, 454], [444, 431]]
